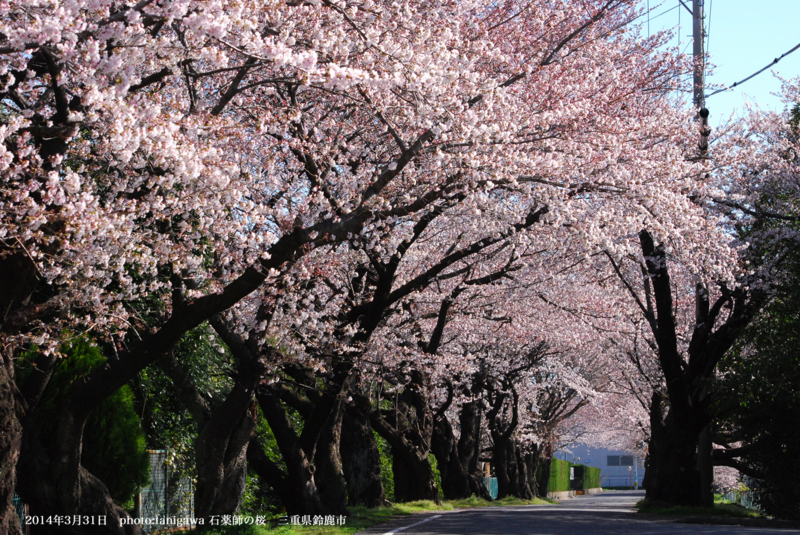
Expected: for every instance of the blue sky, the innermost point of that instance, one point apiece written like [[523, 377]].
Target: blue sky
[[744, 36]]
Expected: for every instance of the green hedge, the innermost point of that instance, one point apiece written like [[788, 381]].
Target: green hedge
[[559, 476], [591, 477]]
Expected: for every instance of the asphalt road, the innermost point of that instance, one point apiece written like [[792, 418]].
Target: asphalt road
[[602, 514]]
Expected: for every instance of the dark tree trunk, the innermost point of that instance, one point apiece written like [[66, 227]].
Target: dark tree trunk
[[510, 469], [314, 481], [455, 478], [269, 472], [221, 462], [413, 477], [672, 474], [523, 488], [225, 431], [674, 477], [705, 467], [408, 428], [18, 280], [543, 481], [329, 475], [64, 487], [673, 461], [469, 445], [503, 431], [413, 473], [10, 441], [300, 470], [361, 461], [504, 469], [40, 490], [532, 465]]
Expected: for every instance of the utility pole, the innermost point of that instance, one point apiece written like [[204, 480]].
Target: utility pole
[[705, 465], [699, 56]]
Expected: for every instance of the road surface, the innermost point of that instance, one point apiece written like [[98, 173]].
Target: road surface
[[602, 514]]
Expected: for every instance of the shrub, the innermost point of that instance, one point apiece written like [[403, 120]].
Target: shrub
[[113, 441]]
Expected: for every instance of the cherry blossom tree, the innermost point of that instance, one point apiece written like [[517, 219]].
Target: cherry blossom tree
[[696, 313], [164, 162]]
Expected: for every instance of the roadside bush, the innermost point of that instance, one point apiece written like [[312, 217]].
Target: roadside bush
[[113, 440], [591, 477], [559, 476]]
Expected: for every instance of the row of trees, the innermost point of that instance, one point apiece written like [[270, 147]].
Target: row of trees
[[426, 220]]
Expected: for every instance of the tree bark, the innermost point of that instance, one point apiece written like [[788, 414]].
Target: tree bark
[[222, 467], [300, 469], [10, 442], [469, 445], [543, 481], [361, 460], [510, 470], [42, 483], [523, 490], [224, 432], [413, 473], [672, 462], [329, 475], [41, 492], [455, 478], [503, 432], [413, 476], [502, 470], [532, 465], [705, 467]]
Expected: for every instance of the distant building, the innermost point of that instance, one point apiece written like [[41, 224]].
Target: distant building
[[614, 465]]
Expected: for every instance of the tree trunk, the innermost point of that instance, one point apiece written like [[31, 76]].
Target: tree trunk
[[413, 473], [532, 464], [672, 474], [455, 478], [65, 488], [329, 475], [673, 460], [510, 469], [10, 441], [674, 478], [222, 467], [413, 477], [300, 470], [225, 431], [705, 467], [361, 461], [270, 473], [18, 280], [544, 478], [502, 470], [523, 490], [469, 445]]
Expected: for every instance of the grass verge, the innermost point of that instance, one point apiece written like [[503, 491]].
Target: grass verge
[[719, 509], [362, 518]]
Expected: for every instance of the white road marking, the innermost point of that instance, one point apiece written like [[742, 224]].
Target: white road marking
[[570, 509], [412, 525]]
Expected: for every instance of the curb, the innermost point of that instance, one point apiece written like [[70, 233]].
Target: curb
[[736, 521]]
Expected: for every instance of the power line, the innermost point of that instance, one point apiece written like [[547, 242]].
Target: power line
[[708, 33], [649, 18], [740, 82], [665, 12]]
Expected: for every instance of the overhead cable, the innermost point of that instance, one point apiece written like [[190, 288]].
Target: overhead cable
[[740, 82]]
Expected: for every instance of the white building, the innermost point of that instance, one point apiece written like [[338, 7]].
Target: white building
[[617, 468]]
